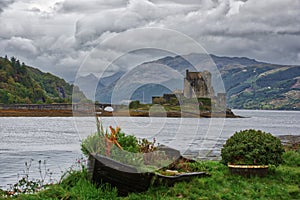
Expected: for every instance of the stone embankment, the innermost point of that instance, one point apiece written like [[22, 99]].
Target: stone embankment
[[35, 110], [66, 110], [40, 110]]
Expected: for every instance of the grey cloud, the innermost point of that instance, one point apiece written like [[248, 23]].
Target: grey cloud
[[138, 13], [59, 40], [35, 10], [5, 3], [289, 32], [191, 2], [251, 32], [90, 5], [92, 27], [22, 46]]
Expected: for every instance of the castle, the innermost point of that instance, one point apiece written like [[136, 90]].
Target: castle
[[196, 85]]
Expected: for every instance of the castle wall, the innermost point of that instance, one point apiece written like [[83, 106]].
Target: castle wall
[[187, 90], [198, 84]]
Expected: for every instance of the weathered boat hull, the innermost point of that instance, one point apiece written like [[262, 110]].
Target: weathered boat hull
[[127, 179]]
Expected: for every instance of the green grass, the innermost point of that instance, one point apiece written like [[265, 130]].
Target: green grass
[[282, 182]]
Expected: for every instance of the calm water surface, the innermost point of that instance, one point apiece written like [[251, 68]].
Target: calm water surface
[[57, 139]]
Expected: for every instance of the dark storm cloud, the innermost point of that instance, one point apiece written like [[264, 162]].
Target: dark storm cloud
[[58, 35]]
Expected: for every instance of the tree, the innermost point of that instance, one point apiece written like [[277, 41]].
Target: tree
[[13, 60], [134, 104]]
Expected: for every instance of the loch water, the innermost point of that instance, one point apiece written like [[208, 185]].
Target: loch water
[[56, 140]]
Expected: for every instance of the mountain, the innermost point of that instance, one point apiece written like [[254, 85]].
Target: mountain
[[23, 84], [140, 83], [249, 84], [87, 84], [262, 86]]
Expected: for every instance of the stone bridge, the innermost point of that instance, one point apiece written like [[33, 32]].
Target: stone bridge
[[58, 106]]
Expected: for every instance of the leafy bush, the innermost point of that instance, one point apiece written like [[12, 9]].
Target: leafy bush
[[134, 104], [127, 142], [252, 147]]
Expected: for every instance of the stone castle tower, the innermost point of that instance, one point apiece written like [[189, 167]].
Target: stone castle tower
[[198, 84]]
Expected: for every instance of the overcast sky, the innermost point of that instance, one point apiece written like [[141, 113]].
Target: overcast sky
[[56, 36]]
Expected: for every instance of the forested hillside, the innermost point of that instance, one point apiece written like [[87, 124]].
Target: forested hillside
[[23, 84], [262, 86]]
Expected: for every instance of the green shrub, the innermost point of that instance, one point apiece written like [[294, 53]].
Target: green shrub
[[134, 104], [252, 147], [95, 143], [128, 142]]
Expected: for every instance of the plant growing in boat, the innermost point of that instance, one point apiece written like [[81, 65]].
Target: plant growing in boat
[[182, 165], [123, 148], [252, 147], [141, 153]]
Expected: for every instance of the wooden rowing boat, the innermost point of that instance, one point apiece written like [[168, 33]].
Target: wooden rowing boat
[[127, 179]]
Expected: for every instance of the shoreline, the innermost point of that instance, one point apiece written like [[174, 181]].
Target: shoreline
[[66, 110], [118, 113], [36, 113], [85, 110]]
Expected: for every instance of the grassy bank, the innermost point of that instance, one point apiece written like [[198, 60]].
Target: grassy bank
[[282, 182]]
